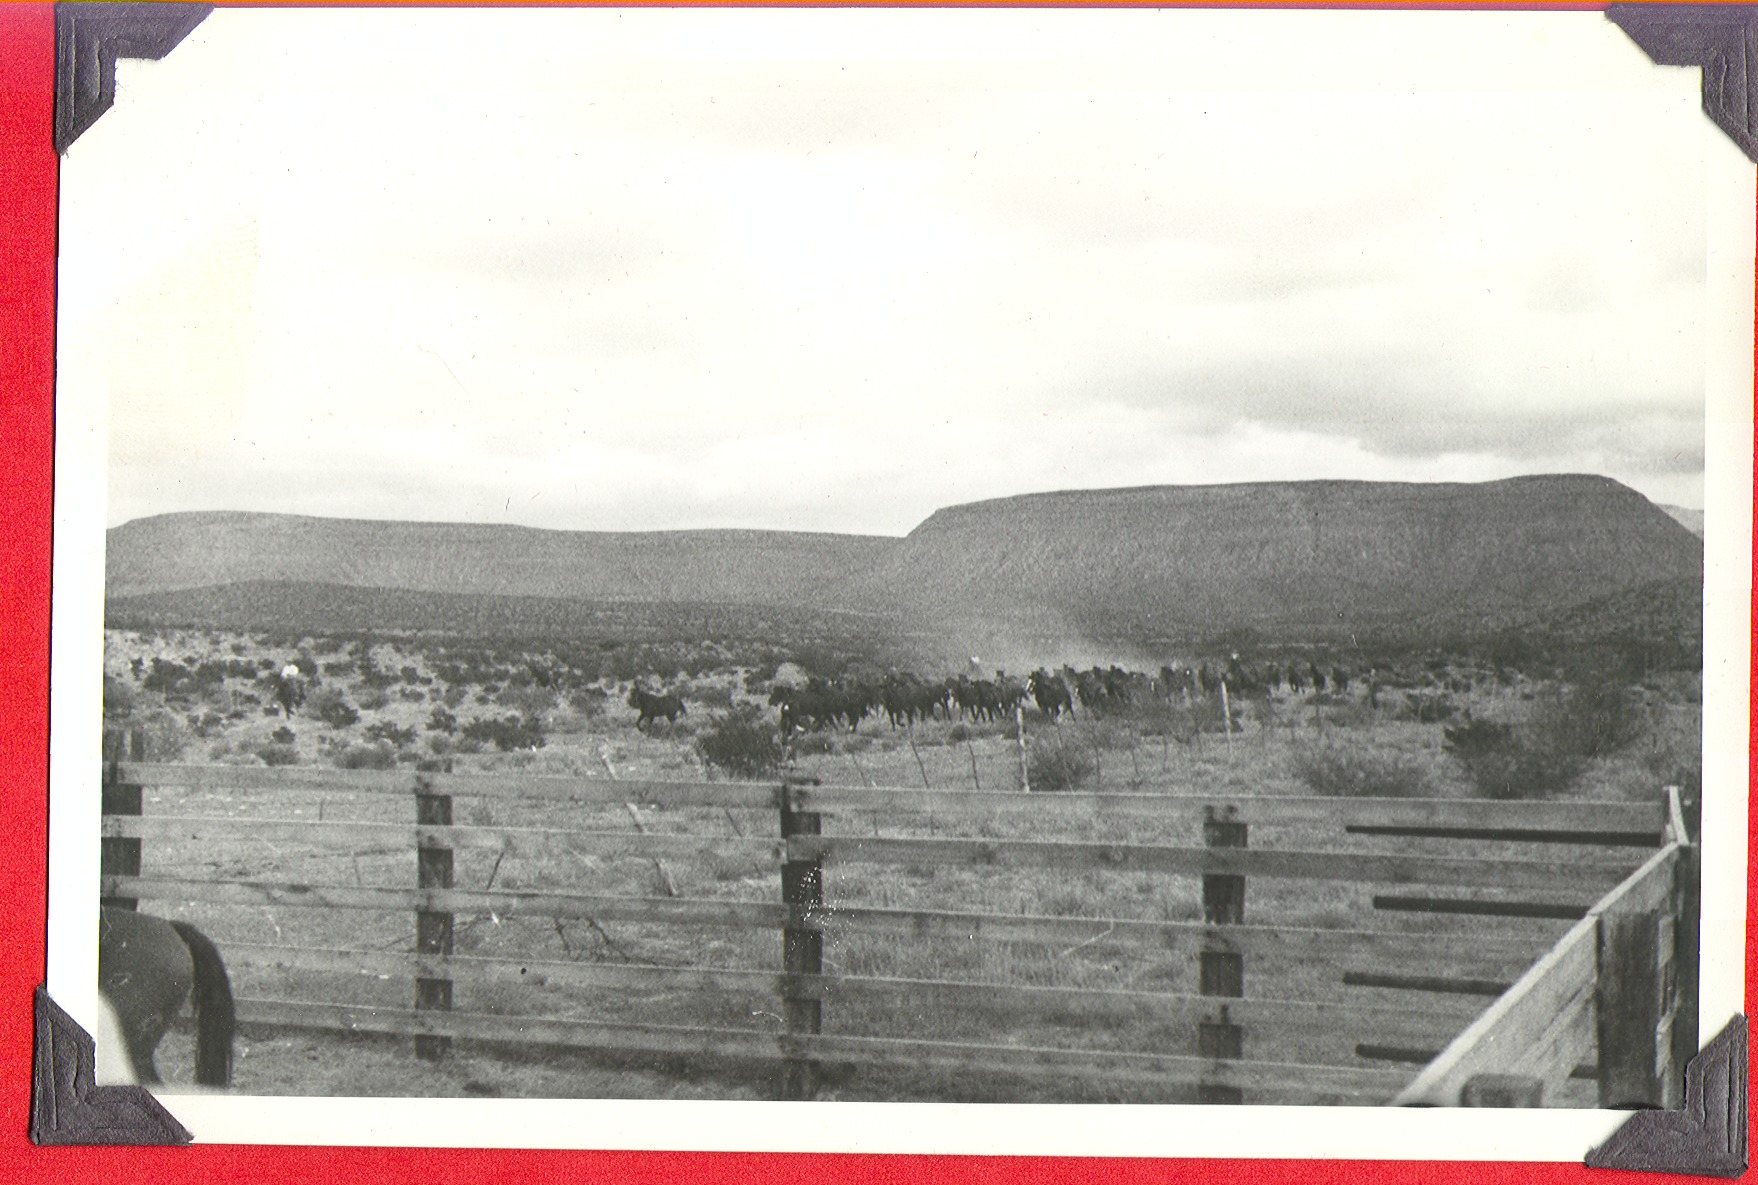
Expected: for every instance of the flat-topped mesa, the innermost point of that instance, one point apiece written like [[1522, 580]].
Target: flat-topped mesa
[[1294, 554], [1285, 558], [192, 550]]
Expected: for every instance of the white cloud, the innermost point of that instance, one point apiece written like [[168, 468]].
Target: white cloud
[[836, 268]]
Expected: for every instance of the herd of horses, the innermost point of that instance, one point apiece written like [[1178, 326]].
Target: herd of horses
[[906, 699]]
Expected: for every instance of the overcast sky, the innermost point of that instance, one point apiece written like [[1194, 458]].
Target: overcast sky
[[832, 269]]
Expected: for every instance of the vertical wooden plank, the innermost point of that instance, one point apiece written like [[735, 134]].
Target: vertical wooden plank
[[1222, 968], [802, 949], [1628, 1004], [119, 855], [1682, 1038], [433, 928]]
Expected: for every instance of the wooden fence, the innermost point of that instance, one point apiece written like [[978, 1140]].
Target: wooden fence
[[1622, 984], [1248, 976]]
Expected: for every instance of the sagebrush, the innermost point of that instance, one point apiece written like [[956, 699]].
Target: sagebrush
[[1057, 767], [740, 742], [1352, 771]]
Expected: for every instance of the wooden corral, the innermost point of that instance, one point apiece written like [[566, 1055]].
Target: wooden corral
[[1448, 957], [1622, 984]]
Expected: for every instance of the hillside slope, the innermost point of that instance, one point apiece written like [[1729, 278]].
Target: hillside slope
[[1288, 559], [1295, 556], [182, 551]]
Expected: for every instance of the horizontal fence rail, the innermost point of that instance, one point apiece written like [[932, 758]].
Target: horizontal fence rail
[[1398, 994], [1634, 824], [1291, 1079]]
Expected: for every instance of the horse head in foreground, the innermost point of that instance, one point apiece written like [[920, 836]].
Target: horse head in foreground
[[147, 967]]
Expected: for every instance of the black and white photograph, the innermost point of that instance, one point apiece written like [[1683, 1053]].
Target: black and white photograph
[[1190, 559]]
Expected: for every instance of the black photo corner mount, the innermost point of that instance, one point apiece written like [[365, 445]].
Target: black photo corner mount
[[1707, 1137], [67, 1105], [1721, 39], [90, 36]]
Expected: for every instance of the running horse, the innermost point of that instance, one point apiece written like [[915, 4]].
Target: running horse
[[147, 967], [651, 707]]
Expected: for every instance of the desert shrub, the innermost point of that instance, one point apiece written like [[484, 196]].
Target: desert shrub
[[814, 744], [1590, 719], [1507, 763], [371, 699], [957, 734], [506, 733], [1674, 752], [206, 724], [741, 742], [588, 701], [1058, 767], [278, 753], [162, 732], [379, 756], [118, 699], [1423, 707], [1352, 771], [167, 678], [283, 736], [340, 668], [1164, 719], [454, 696], [391, 734], [568, 724], [527, 699], [1522, 770], [711, 695], [329, 705], [1346, 713], [440, 720], [1477, 736]]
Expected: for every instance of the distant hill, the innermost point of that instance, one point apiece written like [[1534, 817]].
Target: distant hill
[[302, 607], [1286, 558], [198, 550], [1691, 520], [1290, 560]]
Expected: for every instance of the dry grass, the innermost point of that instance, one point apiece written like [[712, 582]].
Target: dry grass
[[1155, 754]]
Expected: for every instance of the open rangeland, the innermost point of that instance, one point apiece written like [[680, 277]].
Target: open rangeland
[[1418, 726]]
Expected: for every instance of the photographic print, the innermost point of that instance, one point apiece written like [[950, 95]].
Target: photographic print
[[726, 557]]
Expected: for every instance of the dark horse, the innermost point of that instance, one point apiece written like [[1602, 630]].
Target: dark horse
[[651, 707], [147, 967]]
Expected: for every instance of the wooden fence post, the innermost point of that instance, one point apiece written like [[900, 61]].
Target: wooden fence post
[[802, 948], [1687, 904], [1628, 1008], [1223, 892], [1222, 968], [1646, 987], [433, 928], [120, 855]]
